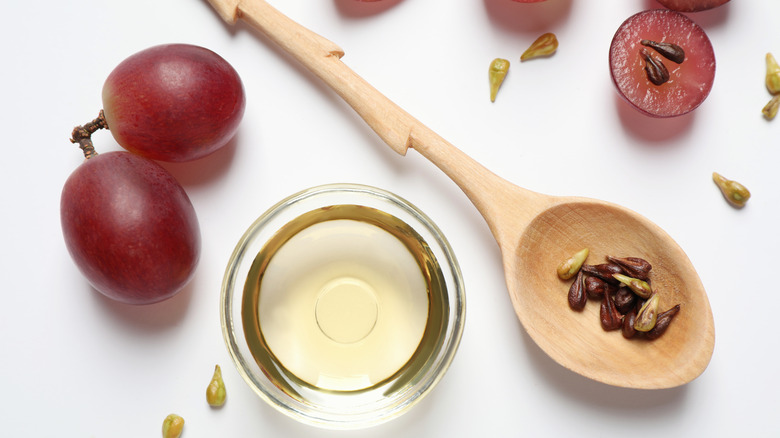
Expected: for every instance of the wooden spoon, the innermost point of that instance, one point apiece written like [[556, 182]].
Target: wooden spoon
[[535, 233]]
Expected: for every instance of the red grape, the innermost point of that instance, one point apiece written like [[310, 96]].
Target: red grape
[[691, 5], [689, 82], [130, 227], [174, 102]]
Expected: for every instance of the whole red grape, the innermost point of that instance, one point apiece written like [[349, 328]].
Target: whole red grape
[[130, 227], [174, 102], [691, 5]]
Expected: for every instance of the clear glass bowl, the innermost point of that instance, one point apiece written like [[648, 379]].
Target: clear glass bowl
[[251, 344]]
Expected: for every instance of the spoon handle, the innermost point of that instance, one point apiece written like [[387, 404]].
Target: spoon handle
[[323, 58], [487, 191]]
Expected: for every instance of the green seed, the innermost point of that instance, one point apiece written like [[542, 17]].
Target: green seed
[[172, 426], [545, 45], [639, 287], [215, 392], [772, 74], [647, 315], [498, 70], [770, 109], [735, 193], [572, 265]]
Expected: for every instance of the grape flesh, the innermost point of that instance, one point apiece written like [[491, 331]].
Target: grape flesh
[[130, 228], [173, 102], [689, 83]]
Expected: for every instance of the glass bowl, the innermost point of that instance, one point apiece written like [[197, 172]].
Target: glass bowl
[[342, 306]]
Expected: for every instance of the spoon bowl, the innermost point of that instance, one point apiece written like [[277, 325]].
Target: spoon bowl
[[534, 232], [575, 339]]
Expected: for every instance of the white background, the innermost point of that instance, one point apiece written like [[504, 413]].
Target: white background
[[75, 364]]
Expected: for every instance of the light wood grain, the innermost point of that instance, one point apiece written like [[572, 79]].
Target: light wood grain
[[534, 233]]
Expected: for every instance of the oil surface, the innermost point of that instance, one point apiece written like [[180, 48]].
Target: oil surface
[[343, 298]]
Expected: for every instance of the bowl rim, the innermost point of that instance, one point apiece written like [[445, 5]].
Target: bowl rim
[[232, 289]]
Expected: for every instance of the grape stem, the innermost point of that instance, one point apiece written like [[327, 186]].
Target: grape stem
[[83, 135]]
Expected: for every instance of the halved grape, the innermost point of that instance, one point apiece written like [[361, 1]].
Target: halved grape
[[174, 102], [688, 83], [691, 5], [130, 227]]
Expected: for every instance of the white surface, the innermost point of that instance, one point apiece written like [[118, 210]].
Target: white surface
[[77, 365]]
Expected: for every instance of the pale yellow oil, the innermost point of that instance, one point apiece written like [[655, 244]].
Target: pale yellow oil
[[343, 299]]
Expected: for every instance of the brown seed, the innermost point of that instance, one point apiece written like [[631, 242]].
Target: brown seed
[[670, 51], [655, 68], [628, 324], [595, 287], [625, 300], [610, 317], [662, 323], [604, 271], [577, 295], [634, 266]]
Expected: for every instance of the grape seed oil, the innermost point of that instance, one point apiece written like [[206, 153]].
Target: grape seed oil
[[344, 299]]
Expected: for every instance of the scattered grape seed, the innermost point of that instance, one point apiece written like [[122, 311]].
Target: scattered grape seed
[[772, 75], [497, 72], [545, 45], [735, 193], [215, 392], [172, 426], [770, 109]]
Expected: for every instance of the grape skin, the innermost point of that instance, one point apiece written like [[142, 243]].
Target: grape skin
[[130, 228], [173, 102], [691, 5]]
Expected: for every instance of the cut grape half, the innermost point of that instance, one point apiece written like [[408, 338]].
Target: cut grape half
[[689, 82]]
